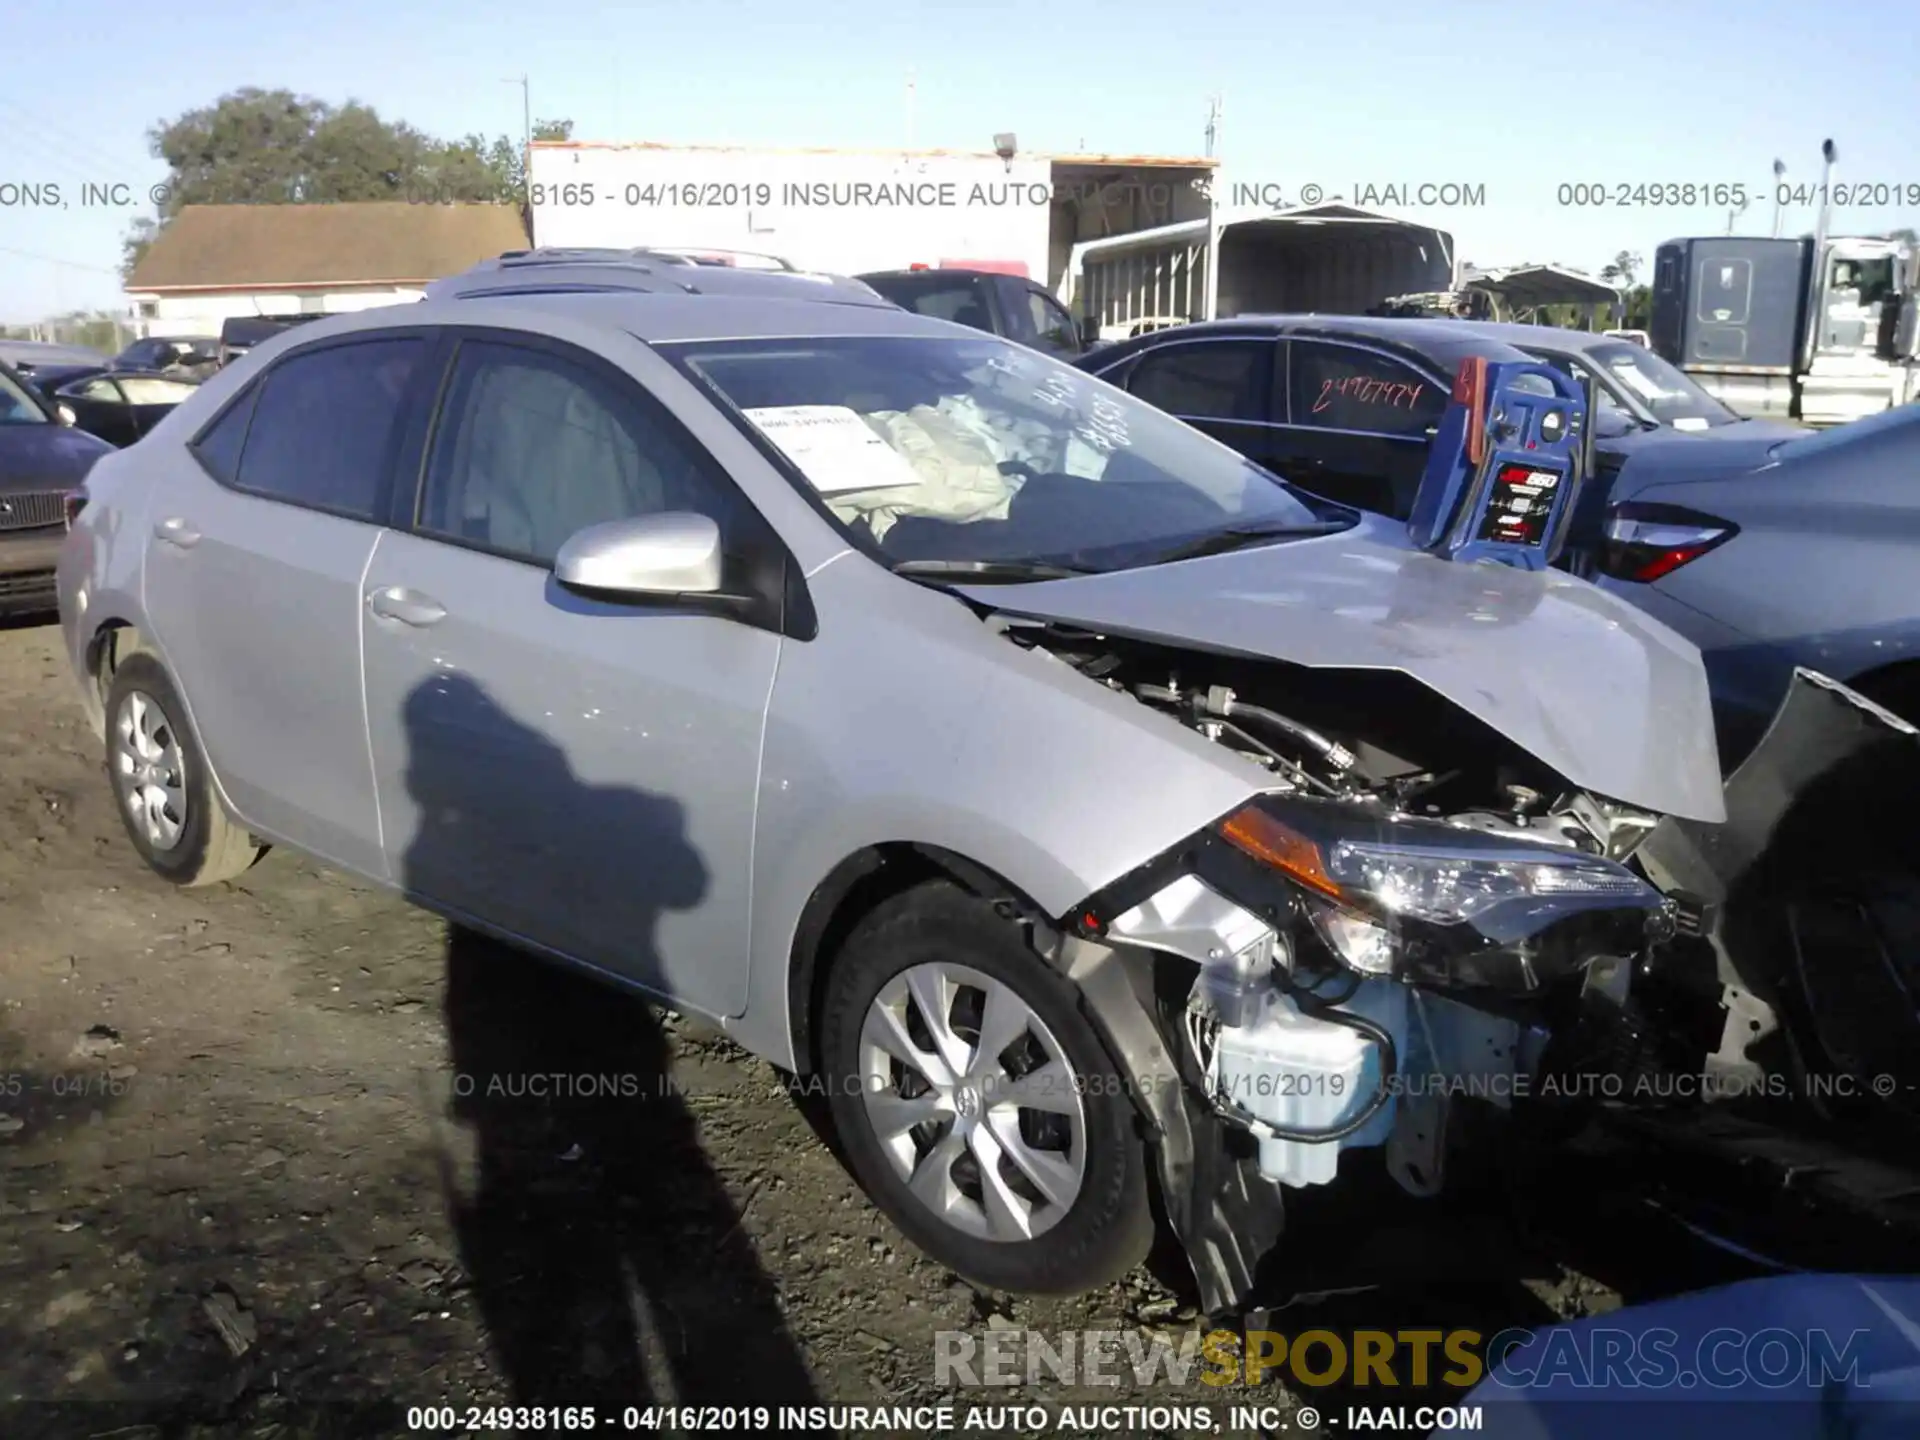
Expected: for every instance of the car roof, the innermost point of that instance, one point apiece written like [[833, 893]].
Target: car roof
[[1441, 344], [944, 272], [651, 317], [46, 352], [646, 273]]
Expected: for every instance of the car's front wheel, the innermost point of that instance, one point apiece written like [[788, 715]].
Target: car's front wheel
[[976, 1102], [160, 779]]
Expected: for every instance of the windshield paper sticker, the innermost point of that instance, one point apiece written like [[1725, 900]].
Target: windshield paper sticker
[[1643, 383], [834, 448]]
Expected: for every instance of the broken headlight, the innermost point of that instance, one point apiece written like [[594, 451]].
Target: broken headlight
[[1393, 895]]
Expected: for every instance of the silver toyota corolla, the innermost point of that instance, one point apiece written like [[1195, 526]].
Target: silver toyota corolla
[[1087, 809]]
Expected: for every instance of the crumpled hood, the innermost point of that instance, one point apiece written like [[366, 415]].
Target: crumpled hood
[[1596, 689], [46, 457]]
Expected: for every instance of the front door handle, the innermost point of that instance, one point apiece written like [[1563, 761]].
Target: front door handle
[[406, 606], [176, 531]]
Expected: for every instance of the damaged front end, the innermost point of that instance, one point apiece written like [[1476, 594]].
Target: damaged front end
[[1342, 961], [1798, 957]]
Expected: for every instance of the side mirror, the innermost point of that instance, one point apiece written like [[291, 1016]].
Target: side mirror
[[677, 553]]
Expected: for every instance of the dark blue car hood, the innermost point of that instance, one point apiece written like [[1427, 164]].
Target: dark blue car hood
[[46, 457]]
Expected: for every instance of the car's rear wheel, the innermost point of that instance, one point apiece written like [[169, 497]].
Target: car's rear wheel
[[976, 1102], [160, 780]]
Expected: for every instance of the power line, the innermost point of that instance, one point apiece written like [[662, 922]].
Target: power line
[[64, 264], [67, 148]]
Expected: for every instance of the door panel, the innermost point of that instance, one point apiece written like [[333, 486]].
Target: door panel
[[258, 620], [260, 533], [579, 773]]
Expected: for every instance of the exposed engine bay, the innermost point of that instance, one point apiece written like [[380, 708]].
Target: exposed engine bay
[[1417, 912], [1369, 737]]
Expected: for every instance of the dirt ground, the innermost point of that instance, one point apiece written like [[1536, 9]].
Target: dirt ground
[[255, 1179]]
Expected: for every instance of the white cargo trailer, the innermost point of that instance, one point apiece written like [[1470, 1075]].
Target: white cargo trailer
[[1325, 259], [848, 211], [1125, 240]]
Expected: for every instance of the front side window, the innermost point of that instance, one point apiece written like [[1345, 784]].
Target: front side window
[[99, 387], [150, 390], [1342, 387], [979, 450], [1051, 324], [324, 424], [534, 447], [17, 407], [1207, 379]]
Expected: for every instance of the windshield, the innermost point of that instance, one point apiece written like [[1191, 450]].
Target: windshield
[[1668, 395], [17, 407], [977, 450]]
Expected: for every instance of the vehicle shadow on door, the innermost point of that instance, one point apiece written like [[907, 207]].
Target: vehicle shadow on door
[[603, 1250]]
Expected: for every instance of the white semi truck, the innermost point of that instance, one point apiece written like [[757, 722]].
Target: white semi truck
[[1822, 329]]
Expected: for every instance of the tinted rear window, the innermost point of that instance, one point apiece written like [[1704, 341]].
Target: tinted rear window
[[219, 447], [324, 422]]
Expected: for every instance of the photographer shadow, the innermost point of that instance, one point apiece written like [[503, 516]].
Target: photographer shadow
[[602, 1248]]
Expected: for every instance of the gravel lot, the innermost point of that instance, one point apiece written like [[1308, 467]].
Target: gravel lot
[[253, 1173]]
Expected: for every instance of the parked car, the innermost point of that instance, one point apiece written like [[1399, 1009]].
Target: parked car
[[197, 355], [1346, 405], [917, 708], [120, 406], [42, 466], [30, 357], [241, 333], [48, 379], [1000, 304], [562, 270], [1778, 553]]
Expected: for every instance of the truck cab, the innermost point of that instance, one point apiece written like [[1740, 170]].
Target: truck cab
[[1773, 330], [1000, 303]]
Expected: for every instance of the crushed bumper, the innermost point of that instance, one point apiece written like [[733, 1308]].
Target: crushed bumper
[[1819, 821]]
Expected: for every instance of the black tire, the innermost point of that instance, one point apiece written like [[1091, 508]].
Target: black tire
[[209, 847], [1108, 1228]]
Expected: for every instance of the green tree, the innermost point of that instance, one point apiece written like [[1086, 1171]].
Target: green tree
[[1621, 269], [273, 147]]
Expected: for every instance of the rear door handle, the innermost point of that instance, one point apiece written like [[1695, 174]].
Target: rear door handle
[[409, 608], [176, 531]]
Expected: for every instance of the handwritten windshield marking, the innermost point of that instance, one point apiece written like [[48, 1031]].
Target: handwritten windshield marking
[[1391, 394]]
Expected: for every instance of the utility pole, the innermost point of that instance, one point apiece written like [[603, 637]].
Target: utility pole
[[1779, 186], [911, 97], [1215, 104], [526, 134]]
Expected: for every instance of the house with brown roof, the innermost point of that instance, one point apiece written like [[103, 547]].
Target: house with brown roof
[[212, 262]]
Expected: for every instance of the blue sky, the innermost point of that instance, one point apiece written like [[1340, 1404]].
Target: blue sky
[[1386, 92]]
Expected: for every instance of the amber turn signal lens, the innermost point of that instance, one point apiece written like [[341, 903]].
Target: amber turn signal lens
[[1255, 832]]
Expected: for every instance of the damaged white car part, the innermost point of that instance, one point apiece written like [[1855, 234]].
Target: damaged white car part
[[1355, 970]]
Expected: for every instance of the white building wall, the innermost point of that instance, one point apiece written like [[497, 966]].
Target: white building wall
[[841, 211], [202, 313]]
